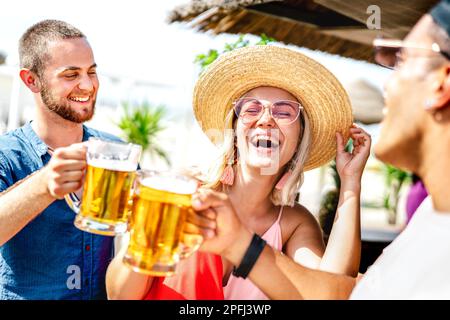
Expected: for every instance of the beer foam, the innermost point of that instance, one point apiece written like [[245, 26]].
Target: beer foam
[[115, 165], [170, 184]]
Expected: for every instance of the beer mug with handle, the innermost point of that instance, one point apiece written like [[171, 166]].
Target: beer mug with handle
[[161, 203], [107, 190]]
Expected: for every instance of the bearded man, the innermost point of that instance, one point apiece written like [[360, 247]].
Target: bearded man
[[42, 254]]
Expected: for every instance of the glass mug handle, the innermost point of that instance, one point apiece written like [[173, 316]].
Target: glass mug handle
[[73, 202], [190, 243], [73, 199]]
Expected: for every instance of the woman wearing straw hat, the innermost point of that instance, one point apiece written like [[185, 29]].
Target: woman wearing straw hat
[[276, 113]]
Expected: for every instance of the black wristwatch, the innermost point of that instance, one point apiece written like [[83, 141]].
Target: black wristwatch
[[251, 255]]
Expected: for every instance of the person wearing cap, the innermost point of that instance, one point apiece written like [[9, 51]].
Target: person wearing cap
[[415, 136], [275, 113]]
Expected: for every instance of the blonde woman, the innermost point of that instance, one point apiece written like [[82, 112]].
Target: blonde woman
[[276, 113]]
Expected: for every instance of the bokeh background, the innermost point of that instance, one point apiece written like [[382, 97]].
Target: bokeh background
[[145, 62]]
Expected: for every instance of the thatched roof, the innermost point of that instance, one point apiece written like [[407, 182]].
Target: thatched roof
[[334, 26]]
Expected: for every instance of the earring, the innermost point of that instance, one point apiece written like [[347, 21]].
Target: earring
[[228, 173], [283, 180]]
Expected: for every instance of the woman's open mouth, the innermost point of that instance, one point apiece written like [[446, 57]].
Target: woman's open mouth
[[265, 142]]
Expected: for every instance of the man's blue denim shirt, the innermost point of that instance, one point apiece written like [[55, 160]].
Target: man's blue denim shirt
[[49, 258]]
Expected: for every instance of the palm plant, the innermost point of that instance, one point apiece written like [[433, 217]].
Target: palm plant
[[394, 179], [330, 200], [329, 203], [141, 124]]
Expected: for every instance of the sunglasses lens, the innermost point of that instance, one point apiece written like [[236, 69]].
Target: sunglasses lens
[[248, 109], [285, 111], [386, 56]]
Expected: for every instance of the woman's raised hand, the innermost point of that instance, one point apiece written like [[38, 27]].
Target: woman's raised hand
[[350, 165]]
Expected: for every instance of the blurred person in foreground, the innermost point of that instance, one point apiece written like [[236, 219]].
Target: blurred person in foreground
[[42, 254], [415, 136]]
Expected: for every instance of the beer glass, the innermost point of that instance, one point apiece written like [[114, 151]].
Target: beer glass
[[107, 190], [161, 203]]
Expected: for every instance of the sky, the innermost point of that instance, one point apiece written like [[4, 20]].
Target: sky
[[129, 38], [151, 59]]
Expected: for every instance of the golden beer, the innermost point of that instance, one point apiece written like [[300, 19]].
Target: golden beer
[[160, 208], [106, 194], [107, 190]]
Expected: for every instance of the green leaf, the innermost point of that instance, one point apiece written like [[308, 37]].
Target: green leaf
[[265, 39], [394, 179], [204, 60], [141, 124]]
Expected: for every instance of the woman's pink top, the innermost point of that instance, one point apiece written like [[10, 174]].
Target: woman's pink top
[[244, 289]]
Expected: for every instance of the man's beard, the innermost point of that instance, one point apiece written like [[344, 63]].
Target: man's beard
[[63, 109]]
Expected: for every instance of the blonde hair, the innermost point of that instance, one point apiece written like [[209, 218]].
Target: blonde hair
[[287, 195]]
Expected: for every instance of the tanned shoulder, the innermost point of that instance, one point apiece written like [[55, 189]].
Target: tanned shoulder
[[297, 217]]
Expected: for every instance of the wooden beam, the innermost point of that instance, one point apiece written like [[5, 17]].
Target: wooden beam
[[394, 14], [327, 18], [293, 32], [365, 36]]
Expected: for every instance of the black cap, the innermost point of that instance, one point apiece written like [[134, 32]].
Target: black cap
[[441, 15]]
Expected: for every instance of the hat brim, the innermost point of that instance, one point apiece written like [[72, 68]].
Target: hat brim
[[234, 73]]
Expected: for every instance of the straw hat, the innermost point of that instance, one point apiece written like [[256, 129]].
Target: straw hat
[[236, 72]]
